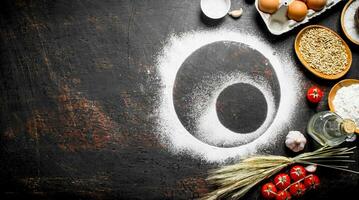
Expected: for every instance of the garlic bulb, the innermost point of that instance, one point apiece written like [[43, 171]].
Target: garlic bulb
[[295, 141]]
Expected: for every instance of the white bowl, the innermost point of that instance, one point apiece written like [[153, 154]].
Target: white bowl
[[215, 9]]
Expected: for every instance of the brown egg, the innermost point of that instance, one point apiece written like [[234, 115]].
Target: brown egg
[[316, 4], [268, 6], [297, 10]]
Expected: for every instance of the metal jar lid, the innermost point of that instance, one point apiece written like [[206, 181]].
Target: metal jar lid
[[348, 126]]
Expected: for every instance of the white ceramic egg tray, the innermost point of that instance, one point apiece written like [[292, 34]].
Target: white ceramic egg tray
[[278, 22]]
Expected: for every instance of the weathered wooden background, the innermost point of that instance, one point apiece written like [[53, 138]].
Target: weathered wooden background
[[78, 89]]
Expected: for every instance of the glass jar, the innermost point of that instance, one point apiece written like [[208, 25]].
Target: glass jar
[[329, 129]]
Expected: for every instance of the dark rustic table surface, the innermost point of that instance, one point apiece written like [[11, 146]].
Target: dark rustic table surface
[[79, 86]]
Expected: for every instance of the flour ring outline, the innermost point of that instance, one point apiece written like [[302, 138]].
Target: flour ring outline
[[213, 132], [170, 129]]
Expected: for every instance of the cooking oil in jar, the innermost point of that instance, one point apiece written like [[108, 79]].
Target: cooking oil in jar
[[329, 129]]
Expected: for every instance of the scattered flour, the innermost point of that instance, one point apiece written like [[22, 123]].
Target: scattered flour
[[349, 22], [346, 102], [175, 136], [211, 129]]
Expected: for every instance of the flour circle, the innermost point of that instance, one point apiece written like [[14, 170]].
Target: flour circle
[[242, 108], [211, 129], [170, 129]]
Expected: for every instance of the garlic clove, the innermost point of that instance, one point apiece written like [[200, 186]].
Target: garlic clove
[[236, 13], [311, 168], [295, 141]]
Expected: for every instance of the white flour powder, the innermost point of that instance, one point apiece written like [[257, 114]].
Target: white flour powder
[[211, 129], [215, 8], [346, 102], [175, 136]]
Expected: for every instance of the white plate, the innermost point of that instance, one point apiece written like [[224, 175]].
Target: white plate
[[215, 9], [278, 23], [348, 23]]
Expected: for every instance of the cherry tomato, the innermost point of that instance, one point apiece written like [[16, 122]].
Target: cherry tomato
[[312, 182], [283, 195], [269, 191], [314, 94], [281, 181], [297, 189], [297, 172]]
